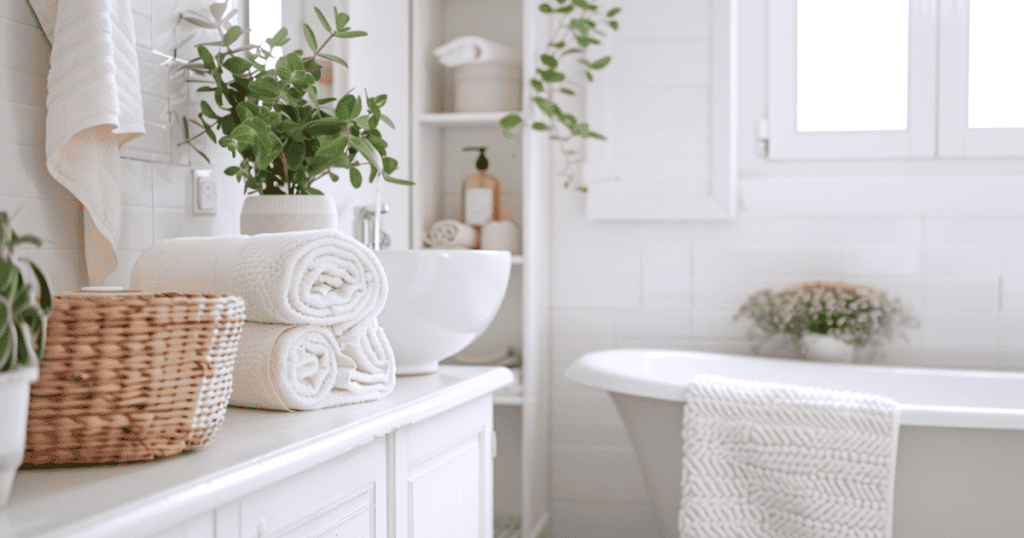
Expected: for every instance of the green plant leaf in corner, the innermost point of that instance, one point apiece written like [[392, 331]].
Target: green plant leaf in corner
[[231, 35], [323, 20], [310, 36]]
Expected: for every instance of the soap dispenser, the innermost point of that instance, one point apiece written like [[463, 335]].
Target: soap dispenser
[[481, 196]]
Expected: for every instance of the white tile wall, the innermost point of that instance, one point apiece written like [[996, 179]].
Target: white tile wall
[[154, 197]]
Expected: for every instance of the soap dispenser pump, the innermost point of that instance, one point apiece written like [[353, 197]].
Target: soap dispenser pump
[[481, 195]]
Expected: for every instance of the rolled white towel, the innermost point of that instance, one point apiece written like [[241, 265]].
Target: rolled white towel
[[318, 277], [374, 375], [288, 367], [449, 233], [473, 49]]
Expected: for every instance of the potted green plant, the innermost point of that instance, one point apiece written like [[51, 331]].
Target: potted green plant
[[22, 341], [266, 110], [833, 322], [580, 25]]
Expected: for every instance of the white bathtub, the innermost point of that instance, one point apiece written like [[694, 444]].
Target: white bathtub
[[960, 461]]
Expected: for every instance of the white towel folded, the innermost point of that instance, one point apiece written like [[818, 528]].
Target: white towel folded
[[317, 277], [473, 49], [772, 460], [307, 367], [94, 106], [449, 233]]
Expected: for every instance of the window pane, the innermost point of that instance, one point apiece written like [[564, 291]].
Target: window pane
[[995, 82], [852, 60]]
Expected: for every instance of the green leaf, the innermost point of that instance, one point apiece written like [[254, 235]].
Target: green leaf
[[279, 39], [567, 91], [45, 299], [355, 177], [583, 4], [390, 165], [585, 41], [232, 35], [206, 57], [381, 99], [387, 121], [232, 170], [549, 60], [207, 110], [598, 64], [547, 107], [311, 190], [334, 59], [614, 24], [340, 20], [614, 11], [373, 173], [551, 76], [390, 179], [323, 20], [538, 126], [510, 121], [350, 34], [310, 36], [237, 65], [545, 8], [537, 85]]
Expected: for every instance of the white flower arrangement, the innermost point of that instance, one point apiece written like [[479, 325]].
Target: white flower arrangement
[[856, 315]]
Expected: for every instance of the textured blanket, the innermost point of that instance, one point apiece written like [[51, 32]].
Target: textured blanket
[[768, 460]]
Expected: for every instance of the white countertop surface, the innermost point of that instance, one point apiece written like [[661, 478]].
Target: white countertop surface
[[252, 450]]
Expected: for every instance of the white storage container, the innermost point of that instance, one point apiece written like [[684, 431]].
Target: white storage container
[[488, 87]]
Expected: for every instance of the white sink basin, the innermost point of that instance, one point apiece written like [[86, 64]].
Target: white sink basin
[[439, 301]]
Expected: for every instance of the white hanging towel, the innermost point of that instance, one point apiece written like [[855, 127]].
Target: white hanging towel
[[94, 106], [473, 49], [778, 461]]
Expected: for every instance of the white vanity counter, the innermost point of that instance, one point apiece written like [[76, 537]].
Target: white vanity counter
[[207, 492]]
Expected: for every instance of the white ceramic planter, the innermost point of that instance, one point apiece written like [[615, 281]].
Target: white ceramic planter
[[14, 393], [819, 347], [274, 213]]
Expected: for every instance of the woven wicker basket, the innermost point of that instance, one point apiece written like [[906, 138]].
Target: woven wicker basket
[[132, 376]]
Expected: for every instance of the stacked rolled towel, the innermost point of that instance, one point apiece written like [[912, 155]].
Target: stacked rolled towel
[[449, 233], [311, 339]]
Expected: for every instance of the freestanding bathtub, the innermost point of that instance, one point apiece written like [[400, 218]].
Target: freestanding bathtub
[[960, 459]]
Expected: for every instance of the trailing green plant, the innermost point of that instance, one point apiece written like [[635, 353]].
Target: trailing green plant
[[23, 330], [271, 115], [580, 26]]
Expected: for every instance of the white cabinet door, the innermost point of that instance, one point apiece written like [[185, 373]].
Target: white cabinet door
[[444, 481], [345, 497]]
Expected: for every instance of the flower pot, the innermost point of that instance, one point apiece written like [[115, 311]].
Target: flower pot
[[274, 213], [820, 347], [14, 398]]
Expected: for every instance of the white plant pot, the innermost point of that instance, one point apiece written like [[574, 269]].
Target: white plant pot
[[819, 347], [14, 394], [275, 213]]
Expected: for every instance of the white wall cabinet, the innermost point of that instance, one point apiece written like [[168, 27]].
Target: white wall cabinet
[[439, 166]]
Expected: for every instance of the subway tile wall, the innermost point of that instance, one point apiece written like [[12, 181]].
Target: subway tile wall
[[156, 171]]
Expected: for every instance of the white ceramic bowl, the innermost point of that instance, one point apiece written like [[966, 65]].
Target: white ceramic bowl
[[439, 301]]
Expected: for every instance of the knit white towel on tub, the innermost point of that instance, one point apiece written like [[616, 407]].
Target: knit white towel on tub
[[318, 277], [771, 460]]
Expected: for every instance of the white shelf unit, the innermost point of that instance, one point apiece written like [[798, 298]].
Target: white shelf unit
[[439, 166]]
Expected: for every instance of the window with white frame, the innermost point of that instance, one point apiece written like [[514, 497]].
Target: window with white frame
[[895, 79]]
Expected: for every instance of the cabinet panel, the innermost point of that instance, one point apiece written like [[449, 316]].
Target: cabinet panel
[[343, 497], [445, 494]]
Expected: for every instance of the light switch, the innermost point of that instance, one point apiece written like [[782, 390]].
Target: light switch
[[204, 185]]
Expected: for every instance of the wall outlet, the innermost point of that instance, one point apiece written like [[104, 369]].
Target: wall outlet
[[204, 187]]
